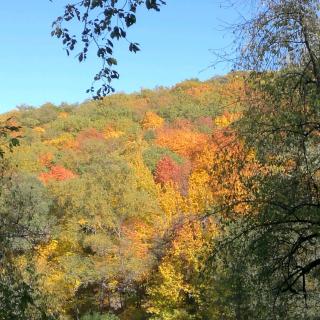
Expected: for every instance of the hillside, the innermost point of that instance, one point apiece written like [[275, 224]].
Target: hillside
[[132, 207], [121, 182]]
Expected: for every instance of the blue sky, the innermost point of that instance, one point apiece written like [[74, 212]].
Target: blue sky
[[175, 42]]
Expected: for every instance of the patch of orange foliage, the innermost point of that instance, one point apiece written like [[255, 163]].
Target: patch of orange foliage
[[184, 142], [229, 165], [46, 159], [199, 90], [56, 173], [110, 133], [234, 90]]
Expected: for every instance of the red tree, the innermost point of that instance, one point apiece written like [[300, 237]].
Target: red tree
[[167, 170]]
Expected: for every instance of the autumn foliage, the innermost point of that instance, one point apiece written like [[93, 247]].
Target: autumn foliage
[[46, 159], [139, 175], [167, 170], [88, 134], [182, 141], [56, 173], [152, 121]]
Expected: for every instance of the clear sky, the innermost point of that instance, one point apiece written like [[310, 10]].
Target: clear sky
[[175, 42]]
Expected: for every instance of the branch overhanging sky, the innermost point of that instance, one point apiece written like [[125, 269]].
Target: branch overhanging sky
[[176, 45]]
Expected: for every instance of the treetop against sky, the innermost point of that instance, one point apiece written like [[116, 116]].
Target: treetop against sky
[[175, 43]]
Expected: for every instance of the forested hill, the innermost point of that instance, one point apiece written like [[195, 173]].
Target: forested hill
[[112, 181], [121, 208]]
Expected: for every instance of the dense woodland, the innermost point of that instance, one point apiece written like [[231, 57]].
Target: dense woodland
[[132, 207], [196, 202]]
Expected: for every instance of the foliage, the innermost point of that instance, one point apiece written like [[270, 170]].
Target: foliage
[[24, 212], [18, 300], [194, 202], [152, 155], [281, 46], [97, 20], [96, 316], [57, 173], [151, 121], [182, 141]]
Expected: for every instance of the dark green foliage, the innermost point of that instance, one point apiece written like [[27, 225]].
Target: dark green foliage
[[98, 316], [189, 110], [281, 121], [24, 212], [18, 300]]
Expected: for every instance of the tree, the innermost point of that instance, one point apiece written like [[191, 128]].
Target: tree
[[281, 45], [283, 35], [102, 22], [101, 253], [25, 222], [24, 213]]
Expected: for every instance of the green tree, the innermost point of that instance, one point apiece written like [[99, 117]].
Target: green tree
[[24, 212], [280, 44]]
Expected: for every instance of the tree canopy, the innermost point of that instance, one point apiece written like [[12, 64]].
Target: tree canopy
[[199, 201]]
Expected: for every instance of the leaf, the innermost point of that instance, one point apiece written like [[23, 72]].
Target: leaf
[[112, 61]]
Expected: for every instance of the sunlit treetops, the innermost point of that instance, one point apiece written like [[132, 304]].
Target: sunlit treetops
[[185, 142], [130, 178]]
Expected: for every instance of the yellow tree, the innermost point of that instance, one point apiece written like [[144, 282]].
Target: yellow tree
[[151, 121]]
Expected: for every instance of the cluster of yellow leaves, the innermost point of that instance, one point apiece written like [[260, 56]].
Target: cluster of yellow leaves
[[63, 115], [172, 204], [200, 195], [110, 133], [182, 262], [233, 165], [226, 119], [144, 176], [151, 121], [55, 277], [39, 130], [64, 141], [167, 292], [190, 240]]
